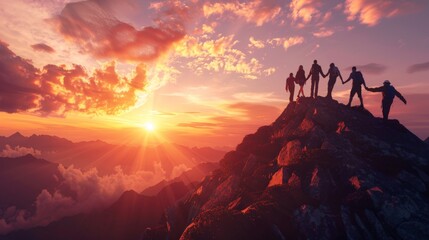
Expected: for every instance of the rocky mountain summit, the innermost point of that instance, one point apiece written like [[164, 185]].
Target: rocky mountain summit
[[320, 171]]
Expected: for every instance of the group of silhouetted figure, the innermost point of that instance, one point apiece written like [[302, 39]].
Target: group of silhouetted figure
[[388, 91]]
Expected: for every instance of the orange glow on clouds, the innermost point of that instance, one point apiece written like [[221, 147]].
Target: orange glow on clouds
[[205, 72]]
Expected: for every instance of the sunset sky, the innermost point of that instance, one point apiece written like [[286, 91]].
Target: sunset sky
[[204, 73]]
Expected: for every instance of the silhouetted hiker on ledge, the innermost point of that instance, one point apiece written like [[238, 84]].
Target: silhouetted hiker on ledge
[[333, 73], [300, 78], [315, 70], [358, 80], [290, 85], [389, 93]]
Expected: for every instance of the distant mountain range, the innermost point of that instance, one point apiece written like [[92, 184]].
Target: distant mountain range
[[105, 157], [23, 178], [127, 218]]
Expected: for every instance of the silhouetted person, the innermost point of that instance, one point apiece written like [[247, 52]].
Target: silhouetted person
[[358, 80], [290, 86], [389, 93], [333, 73], [300, 78], [315, 70]]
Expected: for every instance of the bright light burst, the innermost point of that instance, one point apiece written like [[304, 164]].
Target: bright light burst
[[149, 126]]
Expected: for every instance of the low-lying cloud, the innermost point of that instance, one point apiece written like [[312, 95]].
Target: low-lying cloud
[[18, 151], [419, 67], [370, 68], [41, 47], [89, 191]]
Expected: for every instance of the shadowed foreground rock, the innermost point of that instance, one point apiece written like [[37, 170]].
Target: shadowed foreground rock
[[320, 171]]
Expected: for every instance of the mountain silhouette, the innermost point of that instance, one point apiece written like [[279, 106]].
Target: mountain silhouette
[[105, 157], [127, 218], [320, 171], [427, 140], [191, 177], [23, 178]]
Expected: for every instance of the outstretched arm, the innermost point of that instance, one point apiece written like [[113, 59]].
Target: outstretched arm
[[399, 95], [377, 89], [348, 79]]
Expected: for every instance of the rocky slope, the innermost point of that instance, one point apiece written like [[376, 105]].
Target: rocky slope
[[320, 171]]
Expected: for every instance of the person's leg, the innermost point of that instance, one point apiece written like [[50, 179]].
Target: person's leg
[[331, 83], [316, 87], [352, 94], [359, 93], [292, 90], [386, 109], [312, 88]]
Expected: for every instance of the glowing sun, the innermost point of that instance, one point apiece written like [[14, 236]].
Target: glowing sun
[[149, 126]]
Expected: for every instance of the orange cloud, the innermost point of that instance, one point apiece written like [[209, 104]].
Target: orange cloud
[[257, 11], [370, 12], [99, 33], [218, 55], [255, 43], [305, 10], [286, 42], [60, 89], [323, 33]]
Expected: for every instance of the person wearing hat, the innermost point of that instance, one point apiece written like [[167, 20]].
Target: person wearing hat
[[389, 93]]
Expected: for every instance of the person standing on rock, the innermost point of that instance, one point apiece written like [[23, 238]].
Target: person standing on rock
[[315, 70], [300, 79], [333, 73], [290, 86], [389, 93], [358, 80]]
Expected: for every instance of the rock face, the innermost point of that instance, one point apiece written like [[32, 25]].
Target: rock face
[[320, 171]]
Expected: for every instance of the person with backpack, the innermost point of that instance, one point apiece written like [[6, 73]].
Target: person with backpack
[[290, 85], [300, 79], [315, 70], [389, 93], [333, 73], [358, 80]]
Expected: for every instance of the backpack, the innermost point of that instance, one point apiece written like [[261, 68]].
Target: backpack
[[334, 72]]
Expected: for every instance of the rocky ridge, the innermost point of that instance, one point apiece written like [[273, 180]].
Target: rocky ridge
[[320, 171]]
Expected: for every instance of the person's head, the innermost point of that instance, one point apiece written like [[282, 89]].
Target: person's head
[[301, 67], [353, 69], [291, 75], [386, 83], [315, 61], [332, 65]]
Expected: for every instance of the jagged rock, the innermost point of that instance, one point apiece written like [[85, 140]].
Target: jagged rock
[[320, 171], [280, 177], [290, 153], [317, 222]]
